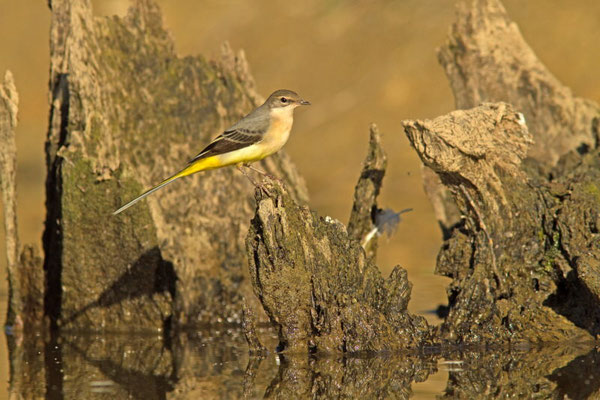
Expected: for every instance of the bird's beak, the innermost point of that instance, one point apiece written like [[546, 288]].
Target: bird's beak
[[304, 103]]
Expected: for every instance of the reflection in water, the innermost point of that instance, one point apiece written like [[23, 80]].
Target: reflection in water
[[215, 364], [520, 372], [580, 379], [383, 377]]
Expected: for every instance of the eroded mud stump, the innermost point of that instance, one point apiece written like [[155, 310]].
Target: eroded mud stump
[[125, 113], [516, 197], [519, 256], [317, 284]]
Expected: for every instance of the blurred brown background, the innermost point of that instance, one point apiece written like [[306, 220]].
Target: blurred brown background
[[356, 61]]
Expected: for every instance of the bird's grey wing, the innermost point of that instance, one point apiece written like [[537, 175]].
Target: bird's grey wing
[[258, 119], [246, 132]]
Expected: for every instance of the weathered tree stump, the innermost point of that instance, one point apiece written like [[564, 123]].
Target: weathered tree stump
[[486, 59], [24, 266], [516, 194], [9, 104], [364, 206], [319, 286], [125, 113]]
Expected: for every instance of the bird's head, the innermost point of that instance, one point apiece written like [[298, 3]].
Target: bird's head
[[285, 98]]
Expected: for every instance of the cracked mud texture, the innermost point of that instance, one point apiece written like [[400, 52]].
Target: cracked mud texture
[[125, 113], [318, 285]]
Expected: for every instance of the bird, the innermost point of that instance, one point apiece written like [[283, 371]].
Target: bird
[[259, 134]]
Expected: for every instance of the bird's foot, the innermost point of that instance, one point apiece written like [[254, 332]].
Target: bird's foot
[[265, 174], [259, 185]]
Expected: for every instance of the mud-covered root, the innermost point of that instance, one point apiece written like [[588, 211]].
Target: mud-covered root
[[514, 185], [512, 275], [318, 285], [486, 59], [361, 225]]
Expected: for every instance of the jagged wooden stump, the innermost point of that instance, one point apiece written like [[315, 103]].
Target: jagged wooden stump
[[316, 282], [516, 267], [486, 59], [515, 194], [125, 113]]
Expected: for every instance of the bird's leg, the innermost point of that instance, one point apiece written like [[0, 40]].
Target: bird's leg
[[263, 173], [240, 168], [259, 185]]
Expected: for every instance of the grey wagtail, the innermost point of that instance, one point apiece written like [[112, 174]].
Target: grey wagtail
[[258, 135]]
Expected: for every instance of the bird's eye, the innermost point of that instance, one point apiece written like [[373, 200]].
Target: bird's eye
[[284, 100]]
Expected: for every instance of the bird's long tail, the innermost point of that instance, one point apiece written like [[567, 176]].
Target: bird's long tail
[[197, 166], [150, 191]]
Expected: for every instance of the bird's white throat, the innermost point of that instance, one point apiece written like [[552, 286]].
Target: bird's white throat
[[283, 113]]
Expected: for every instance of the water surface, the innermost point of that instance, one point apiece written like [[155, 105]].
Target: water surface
[[215, 364]]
